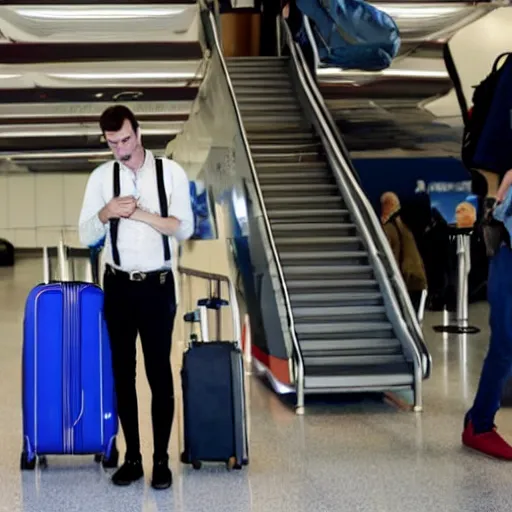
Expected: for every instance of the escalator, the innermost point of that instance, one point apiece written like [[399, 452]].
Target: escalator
[[328, 308], [346, 337]]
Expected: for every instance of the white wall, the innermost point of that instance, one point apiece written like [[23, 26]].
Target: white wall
[[34, 208], [474, 49]]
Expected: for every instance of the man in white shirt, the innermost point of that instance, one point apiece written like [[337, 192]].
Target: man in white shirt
[[137, 207]]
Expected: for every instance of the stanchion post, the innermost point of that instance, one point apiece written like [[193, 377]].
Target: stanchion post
[[464, 267], [463, 238]]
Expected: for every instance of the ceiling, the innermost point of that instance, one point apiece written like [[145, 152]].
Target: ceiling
[[62, 65]]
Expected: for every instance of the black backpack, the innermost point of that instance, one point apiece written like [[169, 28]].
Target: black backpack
[[477, 117]]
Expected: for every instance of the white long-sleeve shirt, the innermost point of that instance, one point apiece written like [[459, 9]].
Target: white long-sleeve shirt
[[140, 245]]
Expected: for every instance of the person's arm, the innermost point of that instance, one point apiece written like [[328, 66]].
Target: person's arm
[[504, 186], [91, 224], [180, 222]]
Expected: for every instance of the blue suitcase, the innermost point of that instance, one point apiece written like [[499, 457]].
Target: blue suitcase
[[214, 413], [68, 388]]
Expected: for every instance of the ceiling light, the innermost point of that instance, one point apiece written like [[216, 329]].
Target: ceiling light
[[98, 14]]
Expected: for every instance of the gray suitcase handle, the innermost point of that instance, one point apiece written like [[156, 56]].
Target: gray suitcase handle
[[202, 310]]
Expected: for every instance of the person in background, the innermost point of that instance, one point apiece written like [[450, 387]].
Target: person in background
[[480, 432], [140, 296], [465, 215], [404, 248]]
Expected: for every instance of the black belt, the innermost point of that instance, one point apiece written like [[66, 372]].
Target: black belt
[[137, 275]]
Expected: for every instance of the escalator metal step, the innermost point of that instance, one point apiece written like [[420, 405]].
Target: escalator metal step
[[268, 101], [303, 215], [262, 84], [316, 243], [315, 227], [272, 137], [322, 285], [345, 243], [334, 314], [280, 109], [307, 229], [369, 377], [355, 345], [316, 176], [345, 329], [251, 65], [292, 157], [258, 60], [278, 148], [245, 77], [336, 298], [293, 167], [324, 257], [332, 271], [271, 120], [309, 202], [294, 190], [356, 360], [246, 92]]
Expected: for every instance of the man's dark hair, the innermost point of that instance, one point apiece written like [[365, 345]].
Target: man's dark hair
[[113, 118]]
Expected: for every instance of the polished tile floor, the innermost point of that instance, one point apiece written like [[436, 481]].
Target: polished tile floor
[[361, 455]]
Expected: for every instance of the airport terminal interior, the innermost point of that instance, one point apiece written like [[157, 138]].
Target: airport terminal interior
[[354, 401]]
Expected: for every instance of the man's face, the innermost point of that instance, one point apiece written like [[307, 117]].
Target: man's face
[[124, 142]]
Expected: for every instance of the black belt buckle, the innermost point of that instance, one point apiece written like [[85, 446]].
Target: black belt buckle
[[136, 275]]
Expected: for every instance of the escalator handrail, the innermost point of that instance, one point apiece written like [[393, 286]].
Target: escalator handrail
[[383, 248], [291, 324], [341, 163]]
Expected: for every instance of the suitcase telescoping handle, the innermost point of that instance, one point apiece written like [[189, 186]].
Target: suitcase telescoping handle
[[200, 315], [64, 256], [63, 263]]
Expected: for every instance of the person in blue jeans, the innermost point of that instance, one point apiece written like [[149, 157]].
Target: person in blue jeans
[[480, 432]]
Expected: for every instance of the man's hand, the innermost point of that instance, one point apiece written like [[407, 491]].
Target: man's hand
[[505, 185], [118, 207]]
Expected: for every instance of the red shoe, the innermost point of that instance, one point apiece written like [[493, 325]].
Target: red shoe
[[489, 443]]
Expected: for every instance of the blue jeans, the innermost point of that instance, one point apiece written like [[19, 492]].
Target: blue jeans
[[498, 362]]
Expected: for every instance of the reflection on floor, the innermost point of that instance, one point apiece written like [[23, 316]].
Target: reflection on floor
[[363, 455]]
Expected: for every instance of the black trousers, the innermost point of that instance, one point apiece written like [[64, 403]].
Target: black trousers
[[146, 307]]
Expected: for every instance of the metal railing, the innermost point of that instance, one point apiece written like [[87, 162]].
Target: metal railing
[[297, 354], [377, 234], [350, 186]]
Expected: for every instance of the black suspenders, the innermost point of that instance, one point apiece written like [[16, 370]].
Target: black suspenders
[[114, 223], [163, 204]]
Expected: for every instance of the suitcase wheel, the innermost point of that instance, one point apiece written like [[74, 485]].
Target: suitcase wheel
[[231, 463], [196, 464], [43, 462], [112, 461], [25, 464]]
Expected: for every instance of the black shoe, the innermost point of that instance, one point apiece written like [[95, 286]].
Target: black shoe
[[129, 472], [162, 476]]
